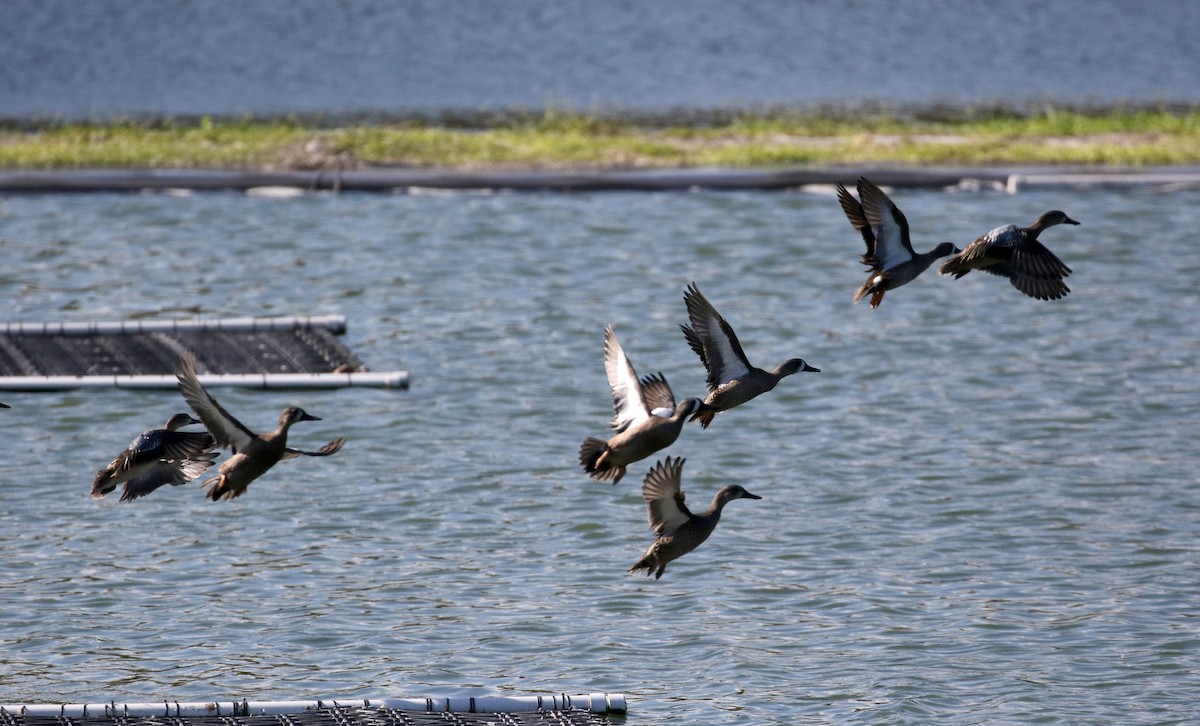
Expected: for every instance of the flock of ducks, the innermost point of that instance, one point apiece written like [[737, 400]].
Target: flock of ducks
[[170, 456], [646, 417], [1009, 251]]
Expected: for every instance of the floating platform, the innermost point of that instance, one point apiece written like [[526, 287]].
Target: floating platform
[[584, 710], [276, 352]]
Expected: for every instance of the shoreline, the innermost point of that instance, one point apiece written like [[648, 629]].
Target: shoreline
[[555, 143], [480, 119]]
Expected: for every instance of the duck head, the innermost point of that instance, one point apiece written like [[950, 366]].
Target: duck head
[[1051, 218], [180, 420], [293, 414], [945, 248], [735, 491], [795, 365]]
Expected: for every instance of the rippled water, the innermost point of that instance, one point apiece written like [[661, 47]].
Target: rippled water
[[984, 508], [68, 59]]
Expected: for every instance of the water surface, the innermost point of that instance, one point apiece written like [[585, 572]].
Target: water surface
[[984, 508], [66, 59]]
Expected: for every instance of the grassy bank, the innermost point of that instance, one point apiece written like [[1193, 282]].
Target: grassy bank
[[559, 140]]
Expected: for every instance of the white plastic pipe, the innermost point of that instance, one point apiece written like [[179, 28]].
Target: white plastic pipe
[[602, 703], [393, 379], [334, 323]]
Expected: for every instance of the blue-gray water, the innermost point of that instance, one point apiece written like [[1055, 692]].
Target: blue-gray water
[[984, 508], [67, 59]]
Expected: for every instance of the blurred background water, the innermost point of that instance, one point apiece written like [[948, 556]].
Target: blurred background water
[[984, 508], [65, 59]]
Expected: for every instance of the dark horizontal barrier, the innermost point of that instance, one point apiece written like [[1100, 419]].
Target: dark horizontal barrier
[[393, 179]]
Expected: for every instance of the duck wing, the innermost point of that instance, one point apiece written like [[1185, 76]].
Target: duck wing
[[988, 250], [226, 430], [723, 355], [331, 448], [1034, 259], [657, 394], [175, 472], [892, 244], [694, 342], [629, 405], [181, 445], [664, 497], [858, 219], [161, 444], [1041, 288]]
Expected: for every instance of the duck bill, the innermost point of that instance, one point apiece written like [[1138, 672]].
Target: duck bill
[[1068, 220], [809, 369], [748, 495], [308, 417]]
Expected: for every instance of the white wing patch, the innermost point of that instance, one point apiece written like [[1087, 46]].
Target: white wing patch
[[628, 407], [663, 493], [732, 366], [888, 247], [881, 214]]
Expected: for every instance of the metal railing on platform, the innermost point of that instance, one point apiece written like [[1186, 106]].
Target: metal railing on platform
[[586, 709]]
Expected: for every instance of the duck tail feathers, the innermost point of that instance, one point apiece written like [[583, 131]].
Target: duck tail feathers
[[874, 288], [648, 564], [216, 490], [103, 484], [954, 266], [592, 459], [704, 415]]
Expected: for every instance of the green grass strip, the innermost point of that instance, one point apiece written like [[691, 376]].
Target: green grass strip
[[556, 140]]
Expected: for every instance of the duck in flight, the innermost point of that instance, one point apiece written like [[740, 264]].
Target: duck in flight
[[731, 379], [1015, 252], [253, 454], [646, 418], [677, 531], [890, 253], [157, 457]]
